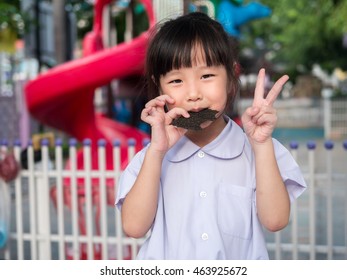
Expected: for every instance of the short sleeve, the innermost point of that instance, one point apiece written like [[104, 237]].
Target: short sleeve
[[128, 177], [290, 171]]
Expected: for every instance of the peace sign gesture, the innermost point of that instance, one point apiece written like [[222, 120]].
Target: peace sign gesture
[[260, 119]]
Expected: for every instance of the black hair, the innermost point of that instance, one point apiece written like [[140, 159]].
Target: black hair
[[171, 48]]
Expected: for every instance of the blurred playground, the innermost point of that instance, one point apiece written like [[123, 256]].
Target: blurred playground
[[93, 88], [87, 94]]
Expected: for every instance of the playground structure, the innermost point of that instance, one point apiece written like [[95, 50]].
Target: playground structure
[[63, 97]]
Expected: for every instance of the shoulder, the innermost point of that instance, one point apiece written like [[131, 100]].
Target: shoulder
[[280, 149], [136, 162]]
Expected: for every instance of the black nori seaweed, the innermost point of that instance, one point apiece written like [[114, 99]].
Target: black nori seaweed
[[195, 119]]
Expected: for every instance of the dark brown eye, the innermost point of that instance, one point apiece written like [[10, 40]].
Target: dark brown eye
[[175, 81], [207, 76]]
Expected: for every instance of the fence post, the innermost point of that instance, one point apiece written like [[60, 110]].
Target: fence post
[[74, 198], [43, 209], [327, 115], [103, 196], [118, 222], [312, 209], [60, 196], [19, 212], [329, 145], [88, 197], [294, 208]]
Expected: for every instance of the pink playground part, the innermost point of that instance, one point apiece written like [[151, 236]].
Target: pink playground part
[[63, 98]]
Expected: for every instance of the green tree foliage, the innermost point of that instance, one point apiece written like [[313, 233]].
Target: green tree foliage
[[11, 17], [300, 33], [11, 24], [84, 14]]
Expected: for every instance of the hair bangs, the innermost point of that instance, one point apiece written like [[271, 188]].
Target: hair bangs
[[183, 52]]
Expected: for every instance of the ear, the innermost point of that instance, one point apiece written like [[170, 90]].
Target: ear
[[237, 69]]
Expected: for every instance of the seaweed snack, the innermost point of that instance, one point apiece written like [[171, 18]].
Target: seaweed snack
[[195, 119]]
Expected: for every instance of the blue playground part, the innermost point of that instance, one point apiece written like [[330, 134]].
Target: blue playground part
[[232, 16]]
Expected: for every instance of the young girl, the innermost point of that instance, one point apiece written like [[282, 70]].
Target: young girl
[[208, 193]]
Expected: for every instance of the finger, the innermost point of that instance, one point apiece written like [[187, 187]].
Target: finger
[[259, 88], [159, 100], [154, 103], [252, 111], [175, 113], [276, 89], [164, 98], [266, 110], [150, 112], [268, 119], [146, 112], [249, 113], [167, 98]]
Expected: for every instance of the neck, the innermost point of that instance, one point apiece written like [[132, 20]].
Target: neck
[[205, 136]]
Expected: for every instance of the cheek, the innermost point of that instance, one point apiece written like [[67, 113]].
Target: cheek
[[224, 104], [222, 98], [165, 90], [160, 89]]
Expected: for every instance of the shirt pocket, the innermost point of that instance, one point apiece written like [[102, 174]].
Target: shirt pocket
[[235, 210]]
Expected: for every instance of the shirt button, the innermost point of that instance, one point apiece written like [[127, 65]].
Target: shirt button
[[204, 236], [203, 194], [201, 154]]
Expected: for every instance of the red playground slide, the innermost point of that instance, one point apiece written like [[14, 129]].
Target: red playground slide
[[63, 97]]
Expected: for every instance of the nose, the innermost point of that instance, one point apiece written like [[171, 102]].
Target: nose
[[194, 94]]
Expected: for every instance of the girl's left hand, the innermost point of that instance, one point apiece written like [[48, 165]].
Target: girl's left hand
[[260, 119]]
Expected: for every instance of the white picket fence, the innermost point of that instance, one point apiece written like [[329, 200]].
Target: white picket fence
[[42, 229]]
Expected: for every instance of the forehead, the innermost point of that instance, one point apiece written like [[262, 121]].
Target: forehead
[[195, 53], [198, 55]]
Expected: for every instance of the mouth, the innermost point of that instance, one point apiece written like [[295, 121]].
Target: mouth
[[197, 117], [197, 110]]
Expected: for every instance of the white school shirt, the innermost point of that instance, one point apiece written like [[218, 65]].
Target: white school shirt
[[207, 203]]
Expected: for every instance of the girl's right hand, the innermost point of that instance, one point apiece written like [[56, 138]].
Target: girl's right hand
[[164, 135]]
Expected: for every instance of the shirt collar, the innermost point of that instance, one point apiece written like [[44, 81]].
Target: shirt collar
[[228, 144]]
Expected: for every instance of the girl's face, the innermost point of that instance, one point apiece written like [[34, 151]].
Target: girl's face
[[198, 87]]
